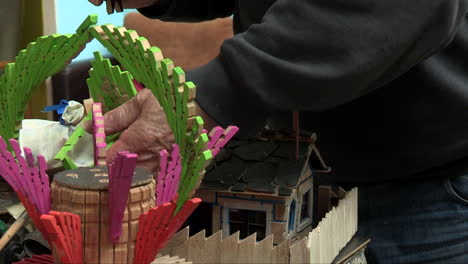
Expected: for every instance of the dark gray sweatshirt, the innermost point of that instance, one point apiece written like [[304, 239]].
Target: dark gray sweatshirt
[[384, 83]]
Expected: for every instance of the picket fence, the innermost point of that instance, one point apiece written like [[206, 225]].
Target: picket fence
[[321, 245]]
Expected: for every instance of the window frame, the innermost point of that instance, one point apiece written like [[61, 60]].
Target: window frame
[[302, 224], [267, 208]]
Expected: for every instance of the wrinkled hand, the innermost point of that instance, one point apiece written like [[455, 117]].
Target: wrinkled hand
[[129, 3], [144, 127]]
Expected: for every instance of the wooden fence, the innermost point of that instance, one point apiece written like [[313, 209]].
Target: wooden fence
[[335, 230], [170, 260], [322, 245]]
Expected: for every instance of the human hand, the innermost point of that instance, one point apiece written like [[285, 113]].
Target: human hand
[[129, 3], [144, 127]]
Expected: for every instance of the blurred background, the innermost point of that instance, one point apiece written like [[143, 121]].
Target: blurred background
[[22, 21], [189, 45]]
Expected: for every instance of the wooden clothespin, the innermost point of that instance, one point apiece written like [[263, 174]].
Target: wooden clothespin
[[163, 159], [169, 175], [157, 226], [177, 221], [99, 136], [38, 177], [64, 233], [150, 225], [33, 213], [24, 176], [56, 238], [120, 180], [219, 140]]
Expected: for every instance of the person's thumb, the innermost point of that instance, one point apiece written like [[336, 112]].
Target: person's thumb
[[119, 118]]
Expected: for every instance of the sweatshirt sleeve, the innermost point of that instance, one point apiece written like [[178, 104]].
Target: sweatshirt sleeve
[[317, 55], [189, 10]]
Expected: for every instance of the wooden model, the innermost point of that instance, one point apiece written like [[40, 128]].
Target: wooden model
[[84, 192], [107, 215], [257, 186], [115, 213], [321, 245]]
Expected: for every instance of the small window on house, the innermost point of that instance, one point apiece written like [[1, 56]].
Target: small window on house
[[306, 207], [247, 222], [292, 215]]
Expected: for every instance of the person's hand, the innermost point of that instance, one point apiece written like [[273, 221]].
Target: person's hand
[[144, 127], [129, 3]]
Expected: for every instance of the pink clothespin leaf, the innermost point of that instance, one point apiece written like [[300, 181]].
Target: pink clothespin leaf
[[171, 182], [214, 135], [221, 140], [120, 183], [44, 183], [164, 156], [22, 171], [5, 167]]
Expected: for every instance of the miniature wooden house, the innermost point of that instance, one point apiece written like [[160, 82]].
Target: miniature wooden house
[[257, 186]]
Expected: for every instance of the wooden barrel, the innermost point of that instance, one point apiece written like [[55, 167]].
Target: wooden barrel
[[83, 191]]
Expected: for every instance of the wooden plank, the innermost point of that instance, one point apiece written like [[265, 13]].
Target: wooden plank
[[132, 229], [170, 260], [66, 199], [134, 211], [79, 206], [278, 229], [179, 243], [230, 249], [152, 193], [212, 250], [147, 197], [106, 254], [280, 253], [325, 241], [247, 249], [314, 245], [299, 252], [195, 247], [56, 198], [264, 250], [161, 259], [92, 217]]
